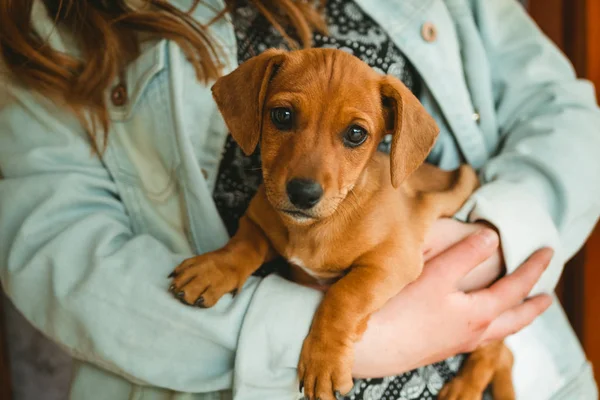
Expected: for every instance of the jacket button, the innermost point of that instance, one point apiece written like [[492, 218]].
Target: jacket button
[[118, 96], [204, 173], [429, 32], [476, 116]]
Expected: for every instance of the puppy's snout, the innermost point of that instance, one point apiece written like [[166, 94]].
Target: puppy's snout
[[304, 193]]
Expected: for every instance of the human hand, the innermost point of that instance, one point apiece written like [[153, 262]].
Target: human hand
[[433, 319], [445, 233]]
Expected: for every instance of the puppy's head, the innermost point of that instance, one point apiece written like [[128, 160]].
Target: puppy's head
[[319, 115]]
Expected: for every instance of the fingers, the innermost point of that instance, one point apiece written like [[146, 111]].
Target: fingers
[[454, 263], [512, 289], [483, 275], [444, 233], [516, 318]]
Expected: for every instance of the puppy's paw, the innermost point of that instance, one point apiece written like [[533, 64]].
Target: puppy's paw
[[460, 389], [325, 367], [201, 281]]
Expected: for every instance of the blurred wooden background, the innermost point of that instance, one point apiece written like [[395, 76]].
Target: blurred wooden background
[[574, 25], [4, 376]]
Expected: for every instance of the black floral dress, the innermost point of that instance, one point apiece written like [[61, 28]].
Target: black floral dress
[[351, 30]]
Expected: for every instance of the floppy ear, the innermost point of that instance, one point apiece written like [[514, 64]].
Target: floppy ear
[[240, 97], [413, 130]]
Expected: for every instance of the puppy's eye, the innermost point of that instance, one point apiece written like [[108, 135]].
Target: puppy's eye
[[282, 118], [355, 136]]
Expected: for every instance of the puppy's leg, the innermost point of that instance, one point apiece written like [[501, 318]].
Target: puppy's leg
[[442, 193], [325, 367], [203, 280], [502, 384], [488, 364]]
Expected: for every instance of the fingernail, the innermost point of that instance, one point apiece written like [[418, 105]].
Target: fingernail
[[487, 237], [545, 253], [550, 253]]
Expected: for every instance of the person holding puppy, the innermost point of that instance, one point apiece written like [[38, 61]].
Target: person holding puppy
[[117, 166]]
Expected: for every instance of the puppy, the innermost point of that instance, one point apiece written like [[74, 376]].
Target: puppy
[[336, 209]]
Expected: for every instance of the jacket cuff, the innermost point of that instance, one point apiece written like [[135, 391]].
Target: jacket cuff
[[274, 328], [524, 226]]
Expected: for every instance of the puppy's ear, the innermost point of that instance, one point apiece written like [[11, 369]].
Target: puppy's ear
[[241, 94], [413, 130]]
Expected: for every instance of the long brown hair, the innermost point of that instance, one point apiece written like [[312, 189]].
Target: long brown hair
[[109, 35]]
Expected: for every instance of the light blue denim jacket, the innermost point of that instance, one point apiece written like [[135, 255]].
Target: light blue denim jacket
[[86, 243]]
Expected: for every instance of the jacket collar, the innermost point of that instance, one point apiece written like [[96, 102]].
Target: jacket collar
[[439, 63]]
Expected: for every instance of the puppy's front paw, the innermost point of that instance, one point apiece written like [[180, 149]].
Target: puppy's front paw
[[201, 281], [325, 368]]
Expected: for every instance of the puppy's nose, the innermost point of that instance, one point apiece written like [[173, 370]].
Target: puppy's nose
[[304, 193]]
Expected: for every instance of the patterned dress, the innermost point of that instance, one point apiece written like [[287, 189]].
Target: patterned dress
[[351, 30]]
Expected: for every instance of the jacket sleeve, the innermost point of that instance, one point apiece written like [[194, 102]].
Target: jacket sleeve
[[72, 265], [542, 186]]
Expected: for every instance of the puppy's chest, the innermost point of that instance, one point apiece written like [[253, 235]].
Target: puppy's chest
[[321, 258]]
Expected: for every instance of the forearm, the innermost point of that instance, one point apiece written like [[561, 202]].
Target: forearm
[[74, 266], [88, 283]]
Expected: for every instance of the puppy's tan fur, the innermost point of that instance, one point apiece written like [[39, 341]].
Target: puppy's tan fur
[[366, 233]]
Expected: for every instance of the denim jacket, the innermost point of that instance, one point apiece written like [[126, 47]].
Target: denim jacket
[[86, 243]]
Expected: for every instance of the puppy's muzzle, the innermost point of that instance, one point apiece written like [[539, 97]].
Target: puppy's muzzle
[[304, 193]]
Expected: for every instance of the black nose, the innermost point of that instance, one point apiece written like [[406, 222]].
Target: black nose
[[304, 193]]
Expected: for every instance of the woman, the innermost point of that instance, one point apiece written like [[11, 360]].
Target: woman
[[117, 166]]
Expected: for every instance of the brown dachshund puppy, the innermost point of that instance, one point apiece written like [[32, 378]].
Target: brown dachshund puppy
[[339, 211]]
